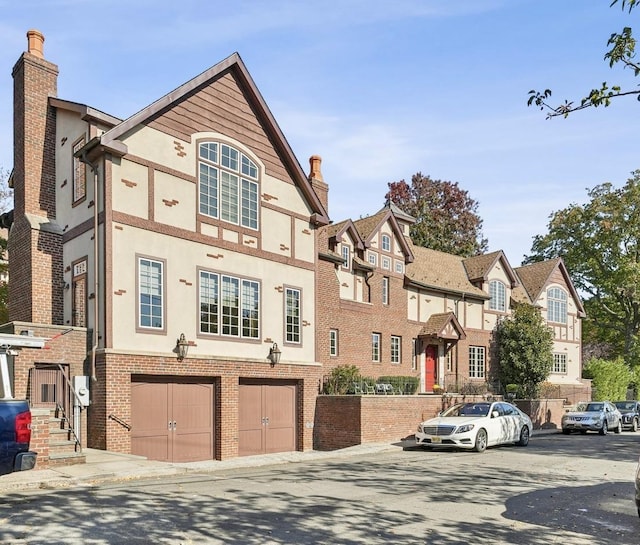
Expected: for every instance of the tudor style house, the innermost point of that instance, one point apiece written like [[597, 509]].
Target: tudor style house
[[174, 251], [392, 308], [194, 292]]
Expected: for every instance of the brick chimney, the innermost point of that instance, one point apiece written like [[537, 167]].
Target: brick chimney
[[35, 241], [317, 182]]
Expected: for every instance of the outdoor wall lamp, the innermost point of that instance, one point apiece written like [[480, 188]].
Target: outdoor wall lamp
[[274, 354], [182, 347]]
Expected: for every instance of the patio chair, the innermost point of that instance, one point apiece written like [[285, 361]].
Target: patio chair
[[368, 388]]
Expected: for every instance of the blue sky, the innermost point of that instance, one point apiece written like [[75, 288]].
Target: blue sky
[[380, 89]]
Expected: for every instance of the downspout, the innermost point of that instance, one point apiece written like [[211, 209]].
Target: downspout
[[94, 346]]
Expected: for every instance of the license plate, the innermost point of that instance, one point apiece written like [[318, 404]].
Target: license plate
[[436, 440]]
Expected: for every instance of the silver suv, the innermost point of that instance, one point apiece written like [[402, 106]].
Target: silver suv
[[600, 416]]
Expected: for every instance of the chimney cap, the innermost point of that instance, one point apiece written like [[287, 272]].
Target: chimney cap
[[35, 43], [315, 174]]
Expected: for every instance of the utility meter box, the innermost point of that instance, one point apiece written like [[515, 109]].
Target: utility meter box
[[81, 386]]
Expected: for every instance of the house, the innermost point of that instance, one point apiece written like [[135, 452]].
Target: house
[[170, 258], [395, 309], [194, 292]]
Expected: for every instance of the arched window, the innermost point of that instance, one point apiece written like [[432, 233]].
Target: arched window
[[557, 305], [498, 294], [228, 184]]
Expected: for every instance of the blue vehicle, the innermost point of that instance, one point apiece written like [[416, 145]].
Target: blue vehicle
[[15, 414]]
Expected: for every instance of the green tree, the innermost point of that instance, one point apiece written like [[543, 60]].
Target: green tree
[[609, 378], [600, 244], [622, 51], [446, 217], [524, 349]]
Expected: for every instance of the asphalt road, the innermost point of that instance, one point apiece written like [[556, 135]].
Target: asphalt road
[[567, 490]]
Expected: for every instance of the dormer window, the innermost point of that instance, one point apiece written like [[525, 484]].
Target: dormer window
[[386, 243], [346, 255], [228, 184], [498, 294]]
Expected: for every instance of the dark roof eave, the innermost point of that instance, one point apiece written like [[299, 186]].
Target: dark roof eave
[[409, 282], [333, 258]]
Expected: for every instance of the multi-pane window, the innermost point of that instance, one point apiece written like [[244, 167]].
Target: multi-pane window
[[386, 263], [399, 267], [448, 360], [229, 306], [79, 173], [385, 290], [396, 343], [375, 347], [386, 243], [559, 363], [373, 259], [346, 253], [476, 362], [79, 294], [228, 184], [151, 294], [557, 305], [293, 316], [498, 294], [333, 342]]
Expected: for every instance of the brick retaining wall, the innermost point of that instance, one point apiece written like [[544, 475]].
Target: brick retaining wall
[[345, 421]]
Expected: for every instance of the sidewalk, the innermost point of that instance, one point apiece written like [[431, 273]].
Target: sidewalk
[[104, 466]]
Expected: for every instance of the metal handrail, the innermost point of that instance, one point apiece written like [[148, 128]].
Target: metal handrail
[[120, 421], [71, 429]]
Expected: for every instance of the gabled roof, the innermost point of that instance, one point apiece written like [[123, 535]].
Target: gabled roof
[[478, 267], [337, 230], [537, 276], [443, 326], [369, 227], [442, 272], [110, 140], [398, 212]]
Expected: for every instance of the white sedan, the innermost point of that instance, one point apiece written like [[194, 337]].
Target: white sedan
[[476, 426]]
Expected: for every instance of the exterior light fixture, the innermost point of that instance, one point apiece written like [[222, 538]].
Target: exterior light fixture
[[182, 347], [274, 354]]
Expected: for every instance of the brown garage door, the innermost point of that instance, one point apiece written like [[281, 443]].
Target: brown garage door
[[267, 417], [172, 421]]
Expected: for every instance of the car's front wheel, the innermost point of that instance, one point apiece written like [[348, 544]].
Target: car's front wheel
[[619, 427], [634, 425], [524, 437], [604, 429], [566, 431], [481, 441]]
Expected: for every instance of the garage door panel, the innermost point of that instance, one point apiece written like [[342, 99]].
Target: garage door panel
[[280, 439], [154, 447], [250, 442], [172, 421], [151, 412], [280, 406], [266, 417], [192, 447]]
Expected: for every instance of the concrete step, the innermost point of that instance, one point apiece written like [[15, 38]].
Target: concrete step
[[66, 459]]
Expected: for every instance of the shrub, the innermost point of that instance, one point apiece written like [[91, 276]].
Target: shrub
[[609, 378], [341, 380]]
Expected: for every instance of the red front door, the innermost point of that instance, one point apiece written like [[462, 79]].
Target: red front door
[[430, 369]]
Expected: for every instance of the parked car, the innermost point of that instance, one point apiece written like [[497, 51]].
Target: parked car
[[630, 411], [476, 426], [638, 488], [600, 416]]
